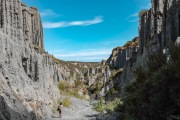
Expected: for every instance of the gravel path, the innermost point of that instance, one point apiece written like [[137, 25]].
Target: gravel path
[[79, 110]]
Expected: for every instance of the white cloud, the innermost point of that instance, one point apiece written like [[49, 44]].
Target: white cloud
[[61, 24], [88, 55], [133, 17], [133, 20], [49, 12], [87, 52], [88, 59]]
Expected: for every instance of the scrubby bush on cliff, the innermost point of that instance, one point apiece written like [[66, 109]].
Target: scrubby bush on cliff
[[78, 83], [136, 43], [115, 73], [155, 95], [62, 85], [108, 106], [95, 88], [174, 117], [72, 90], [111, 92], [66, 102], [113, 105], [100, 105]]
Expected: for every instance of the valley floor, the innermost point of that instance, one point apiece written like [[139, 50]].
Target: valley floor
[[79, 110]]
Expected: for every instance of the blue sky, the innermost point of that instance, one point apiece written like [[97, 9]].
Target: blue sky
[[88, 30]]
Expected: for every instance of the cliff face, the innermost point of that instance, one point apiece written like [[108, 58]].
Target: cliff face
[[159, 27], [96, 78], [28, 75], [122, 54], [120, 57]]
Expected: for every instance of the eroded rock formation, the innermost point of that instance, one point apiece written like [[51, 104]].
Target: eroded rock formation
[[159, 27], [122, 54], [28, 75]]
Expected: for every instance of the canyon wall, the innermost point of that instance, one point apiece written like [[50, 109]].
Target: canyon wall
[[159, 28], [122, 54], [28, 75]]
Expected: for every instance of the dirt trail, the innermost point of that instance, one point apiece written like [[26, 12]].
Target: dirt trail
[[79, 110]]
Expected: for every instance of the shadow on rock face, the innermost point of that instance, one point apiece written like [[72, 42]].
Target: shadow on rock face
[[6, 113]]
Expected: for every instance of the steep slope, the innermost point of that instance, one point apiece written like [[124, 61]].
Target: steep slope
[[146, 76], [28, 74], [121, 57], [159, 28], [122, 54]]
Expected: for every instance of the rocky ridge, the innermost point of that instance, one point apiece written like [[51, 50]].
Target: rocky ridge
[[159, 28], [29, 75], [122, 54]]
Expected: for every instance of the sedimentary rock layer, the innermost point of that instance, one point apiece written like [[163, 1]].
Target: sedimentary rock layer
[[28, 75], [159, 27]]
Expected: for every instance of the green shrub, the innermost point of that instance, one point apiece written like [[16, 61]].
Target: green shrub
[[97, 87], [115, 73], [112, 91], [108, 106], [137, 43], [174, 117], [66, 102], [155, 95], [100, 106], [72, 90], [78, 83], [55, 105], [113, 105], [62, 85]]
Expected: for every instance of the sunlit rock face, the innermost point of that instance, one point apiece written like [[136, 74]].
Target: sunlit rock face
[[159, 28], [122, 54], [28, 75], [160, 25], [121, 62]]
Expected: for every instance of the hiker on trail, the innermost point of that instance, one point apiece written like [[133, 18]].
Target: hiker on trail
[[59, 109]]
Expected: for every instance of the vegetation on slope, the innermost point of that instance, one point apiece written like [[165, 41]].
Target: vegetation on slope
[[65, 101], [108, 106], [72, 90], [155, 95], [96, 87], [115, 73]]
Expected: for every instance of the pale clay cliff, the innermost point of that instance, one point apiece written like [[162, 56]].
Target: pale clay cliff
[[29, 75], [159, 28]]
